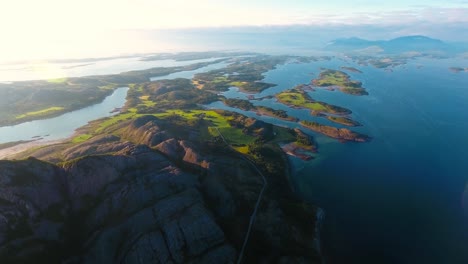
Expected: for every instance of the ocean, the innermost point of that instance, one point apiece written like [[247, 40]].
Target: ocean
[[397, 199]]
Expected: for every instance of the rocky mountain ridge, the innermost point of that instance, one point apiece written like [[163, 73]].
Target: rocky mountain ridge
[[148, 197]]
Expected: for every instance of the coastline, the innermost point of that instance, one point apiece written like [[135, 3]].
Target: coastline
[[6, 153], [99, 99], [291, 171]]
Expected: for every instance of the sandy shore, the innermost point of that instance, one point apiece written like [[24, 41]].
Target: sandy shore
[[8, 152]]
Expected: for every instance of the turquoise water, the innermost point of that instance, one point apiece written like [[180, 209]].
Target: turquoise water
[[397, 199], [64, 126]]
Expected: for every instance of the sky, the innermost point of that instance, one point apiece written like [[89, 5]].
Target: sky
[[32, 28]]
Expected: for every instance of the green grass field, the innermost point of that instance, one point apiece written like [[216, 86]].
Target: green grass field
[[233, 135], [81, 138], [41, 112], [297, 99]]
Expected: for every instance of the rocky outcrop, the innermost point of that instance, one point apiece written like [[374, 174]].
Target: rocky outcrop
[[179, 202], [182, 150], [135, 207], [342, 134], [96, 145], [146, 130]]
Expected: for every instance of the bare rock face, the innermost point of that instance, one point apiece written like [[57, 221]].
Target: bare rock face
[[136, 207], [171, 148], [98, 145], [146, 130], [32, 206], [178, 202], [182, 150]]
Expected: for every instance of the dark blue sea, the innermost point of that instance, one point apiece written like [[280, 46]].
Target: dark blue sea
[[399, 198]]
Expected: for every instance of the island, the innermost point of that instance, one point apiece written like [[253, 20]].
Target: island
[[333, 78], [341, 134], [343, 121], [351, 69], [297, 98], [260, 110]]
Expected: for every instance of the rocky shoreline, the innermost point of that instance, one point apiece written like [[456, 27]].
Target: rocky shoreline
[[341, 134]]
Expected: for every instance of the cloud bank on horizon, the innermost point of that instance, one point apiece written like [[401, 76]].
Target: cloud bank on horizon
[[52, 25], [53, 15]]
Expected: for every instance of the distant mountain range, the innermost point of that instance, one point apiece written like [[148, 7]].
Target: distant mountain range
[[397, 45]]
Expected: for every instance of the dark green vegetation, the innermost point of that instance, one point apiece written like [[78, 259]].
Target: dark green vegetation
[[30, 100], [151, 97], [341, 80], [176, 103], [245, 73], [300, 99], [338, 133], [343, 120], [278, 113], [239, 103], [179, 99], [260, 110]]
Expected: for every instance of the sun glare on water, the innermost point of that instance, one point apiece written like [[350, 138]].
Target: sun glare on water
[[45, 71]]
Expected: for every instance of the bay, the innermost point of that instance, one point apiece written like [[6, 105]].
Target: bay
[[64, 125]]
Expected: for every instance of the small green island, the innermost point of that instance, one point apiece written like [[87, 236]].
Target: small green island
[[260, 110], [297, 98], [341, 134], [341, 80]]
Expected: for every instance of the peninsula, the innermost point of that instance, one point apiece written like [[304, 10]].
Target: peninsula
[[341, 134]]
